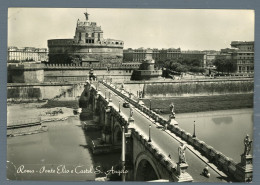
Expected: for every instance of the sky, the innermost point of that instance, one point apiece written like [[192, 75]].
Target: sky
[[189, 29]]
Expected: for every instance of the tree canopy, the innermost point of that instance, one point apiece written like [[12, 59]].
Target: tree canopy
[[225, 65], [179, 65]]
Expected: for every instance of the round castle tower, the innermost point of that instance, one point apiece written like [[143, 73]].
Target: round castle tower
[[147, 70], [88, 45], [148, 63]]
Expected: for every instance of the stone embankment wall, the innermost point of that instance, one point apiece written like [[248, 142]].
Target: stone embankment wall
[[82, 75], [26, 76], [38, 73], [227, 165], [26, 92], [198, 88]]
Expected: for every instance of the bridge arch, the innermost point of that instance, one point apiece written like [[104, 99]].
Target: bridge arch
[[117, 134], [145, 168], [102, 114]]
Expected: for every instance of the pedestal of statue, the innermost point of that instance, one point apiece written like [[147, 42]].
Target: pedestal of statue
[[246, 160], [131, 122], [172, 120], [244, 170], [172, 116], [181, 174], [181, 168]]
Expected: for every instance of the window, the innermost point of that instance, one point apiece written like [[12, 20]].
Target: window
[[79, 36]]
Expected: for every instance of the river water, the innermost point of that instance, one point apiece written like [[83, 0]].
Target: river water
[[224, 130], [60, 154]]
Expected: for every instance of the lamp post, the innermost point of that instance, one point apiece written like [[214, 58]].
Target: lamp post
[[149, 140], [123, 153], [105, 94], [194, 134], [119, 107]]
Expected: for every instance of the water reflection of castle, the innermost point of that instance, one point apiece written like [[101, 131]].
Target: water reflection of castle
[[88, 46]]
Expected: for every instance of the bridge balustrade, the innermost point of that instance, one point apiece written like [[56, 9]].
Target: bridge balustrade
[[189, 138], [223, 161], [232, 168], [184, 135], [220, 160], [212, 154], [205, 148], [178, 131], [196, 143]]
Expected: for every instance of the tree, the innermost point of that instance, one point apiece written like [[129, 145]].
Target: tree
[[182, 68], [220, 65], [185, 65], [231, 66], [197, 69], [225, 65]]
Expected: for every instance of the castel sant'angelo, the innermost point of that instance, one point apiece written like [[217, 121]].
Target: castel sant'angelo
[[88, 45]]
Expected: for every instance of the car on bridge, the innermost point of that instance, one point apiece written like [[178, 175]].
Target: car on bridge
[[126, 105]]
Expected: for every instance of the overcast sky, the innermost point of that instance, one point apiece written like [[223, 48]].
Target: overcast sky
[[155, 28]]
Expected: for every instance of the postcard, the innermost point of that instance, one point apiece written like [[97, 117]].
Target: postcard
[[157, 95]]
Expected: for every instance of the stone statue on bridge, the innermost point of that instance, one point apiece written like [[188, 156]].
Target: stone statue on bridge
[[181, 152], [140, 94], [248, 145], [131, 112], [122, 86], [172, 115]]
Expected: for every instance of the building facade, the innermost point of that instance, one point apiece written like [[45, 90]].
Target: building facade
[[194, 55], [139, 55], [27, 54], [243, 55], [88, 42]]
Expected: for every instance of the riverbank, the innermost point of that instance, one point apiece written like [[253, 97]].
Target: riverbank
[[30, 113], [59, 103], [201, 103]]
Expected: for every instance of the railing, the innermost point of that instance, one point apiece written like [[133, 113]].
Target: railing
[[216, 157], [91, 66]]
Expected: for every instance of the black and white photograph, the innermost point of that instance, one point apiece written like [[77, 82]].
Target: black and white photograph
[[130, 94]]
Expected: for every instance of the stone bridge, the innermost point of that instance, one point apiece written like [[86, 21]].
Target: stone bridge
[[150, 152]]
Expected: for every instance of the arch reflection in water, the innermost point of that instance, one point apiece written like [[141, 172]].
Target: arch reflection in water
[[224, 120]]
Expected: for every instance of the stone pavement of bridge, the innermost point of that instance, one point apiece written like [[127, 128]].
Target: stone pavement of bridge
[[168, 142]]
